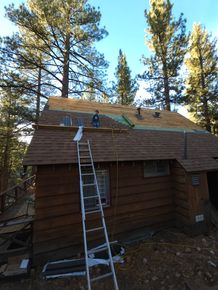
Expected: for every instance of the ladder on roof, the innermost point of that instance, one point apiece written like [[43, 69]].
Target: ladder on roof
[[91, 204]]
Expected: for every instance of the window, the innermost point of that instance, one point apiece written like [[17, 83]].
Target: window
[[156, 168], [103, 185], [67, 120]]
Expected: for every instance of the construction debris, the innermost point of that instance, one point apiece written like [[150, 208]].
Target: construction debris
[[150, 264], [76, 267], [15, 266]]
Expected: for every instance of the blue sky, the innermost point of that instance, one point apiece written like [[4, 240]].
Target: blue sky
[[125, 22]]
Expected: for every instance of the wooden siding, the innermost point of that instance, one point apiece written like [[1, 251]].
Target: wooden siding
[[180, 191], [198, 195], [136, 202], [190, 200]]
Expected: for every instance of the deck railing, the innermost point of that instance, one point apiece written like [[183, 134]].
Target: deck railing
[[10, 196]]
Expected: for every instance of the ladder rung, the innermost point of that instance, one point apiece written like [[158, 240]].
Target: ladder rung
[[97, 250], [94, 229], [88, 197], [101, 277], [85, 157], [86, 164], [83, 144], [85, 174], [89, 184], [93, 211]]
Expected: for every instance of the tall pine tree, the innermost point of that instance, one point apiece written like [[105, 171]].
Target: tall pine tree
[[16, 55], [63, 33], [126, 87], [202, 80], [167, 40]]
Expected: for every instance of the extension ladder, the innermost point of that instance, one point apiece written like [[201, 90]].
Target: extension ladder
[[89, 194]]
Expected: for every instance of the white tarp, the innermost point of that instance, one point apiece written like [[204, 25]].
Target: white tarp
[[79, 134], [92, 261], [24, 263]]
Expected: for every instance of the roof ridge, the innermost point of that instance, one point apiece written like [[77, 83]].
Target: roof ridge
[[109, 104]]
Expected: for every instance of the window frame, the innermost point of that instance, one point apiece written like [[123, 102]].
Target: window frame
[[106, 187], [155, 168]]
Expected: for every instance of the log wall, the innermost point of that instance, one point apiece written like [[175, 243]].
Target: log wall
[[198, 196], [135, 202], [180, 192], [190, 200]]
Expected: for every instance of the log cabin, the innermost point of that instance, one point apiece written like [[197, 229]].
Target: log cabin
[[154, 168]]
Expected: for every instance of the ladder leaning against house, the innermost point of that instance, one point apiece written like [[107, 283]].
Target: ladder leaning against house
[[91, 204]]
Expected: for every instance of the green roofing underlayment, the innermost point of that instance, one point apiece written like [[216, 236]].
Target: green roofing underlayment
[[122, 119]]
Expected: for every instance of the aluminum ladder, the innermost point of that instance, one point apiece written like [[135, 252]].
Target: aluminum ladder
[[87, 172]]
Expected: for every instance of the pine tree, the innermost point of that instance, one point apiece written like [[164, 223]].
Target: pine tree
[[126, 87], [15, 116], [17, 56], [201, 83], [167, 40], [63, 33]]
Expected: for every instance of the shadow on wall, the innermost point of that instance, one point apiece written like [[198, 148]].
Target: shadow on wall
[[212, 179]]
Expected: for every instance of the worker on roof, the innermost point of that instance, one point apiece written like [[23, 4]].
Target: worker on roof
[[95, 119]]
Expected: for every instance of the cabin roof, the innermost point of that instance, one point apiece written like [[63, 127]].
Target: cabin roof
[[166, 120], [117, 139]]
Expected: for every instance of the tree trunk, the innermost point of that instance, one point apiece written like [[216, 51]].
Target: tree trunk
[[166, 89], [38, 95], [65, 81], [204, 98], [206, 114]]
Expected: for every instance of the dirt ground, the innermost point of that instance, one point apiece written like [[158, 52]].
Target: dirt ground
[[170, 260]]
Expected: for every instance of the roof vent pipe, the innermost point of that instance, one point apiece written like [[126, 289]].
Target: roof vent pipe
[[138, 114], [156, 115], [139, 111]]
